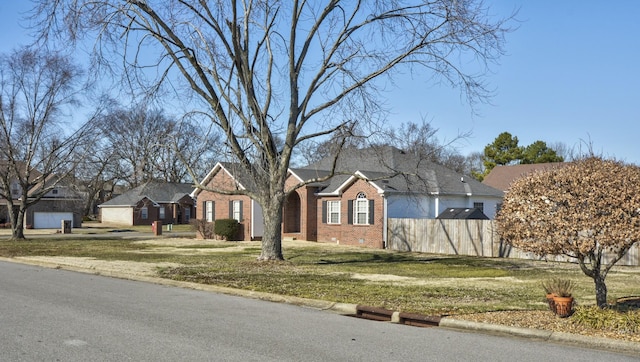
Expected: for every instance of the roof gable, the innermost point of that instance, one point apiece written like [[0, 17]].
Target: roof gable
[[230, 169]]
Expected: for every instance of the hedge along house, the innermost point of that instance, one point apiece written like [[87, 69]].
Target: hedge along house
[[352, 207], [170, 203]]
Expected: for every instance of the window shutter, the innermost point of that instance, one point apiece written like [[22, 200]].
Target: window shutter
[[240, 202], [350, 212], [230, 209], [324, 212], [204, 210], [371, 212], [213, 210]]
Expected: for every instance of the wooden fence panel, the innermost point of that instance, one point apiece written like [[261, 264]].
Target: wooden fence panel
[[465, 237]]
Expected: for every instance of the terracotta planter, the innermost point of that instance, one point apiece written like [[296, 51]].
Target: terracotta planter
[[563, 306], [552, 305]]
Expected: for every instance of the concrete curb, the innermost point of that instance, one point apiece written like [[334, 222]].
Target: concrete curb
[[353, 309], [494, 328], [613, 345]]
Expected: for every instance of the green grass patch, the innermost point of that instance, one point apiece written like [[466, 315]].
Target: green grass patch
[[411, 282]]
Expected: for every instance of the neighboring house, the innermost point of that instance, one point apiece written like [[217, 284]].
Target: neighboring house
[[170, 203], [501, 177], [16, 189], [368, 187], [62, 202]]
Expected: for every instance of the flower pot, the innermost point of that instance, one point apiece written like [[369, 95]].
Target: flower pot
[[563, 306], [550, 302]]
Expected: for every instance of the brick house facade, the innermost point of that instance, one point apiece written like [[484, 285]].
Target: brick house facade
[[212, 206], [300, 212], [169, 203], [352, 206], [350, 227]]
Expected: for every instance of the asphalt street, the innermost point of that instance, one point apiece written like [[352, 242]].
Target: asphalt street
[[59, 315]]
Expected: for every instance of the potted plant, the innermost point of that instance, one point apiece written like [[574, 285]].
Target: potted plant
[[549, 288], [559, 295]]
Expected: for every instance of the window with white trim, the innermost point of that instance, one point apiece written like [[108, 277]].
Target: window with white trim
[[333, 212], [361, 210], [208, 210], [161, 212], [144, 213], [237, 207]]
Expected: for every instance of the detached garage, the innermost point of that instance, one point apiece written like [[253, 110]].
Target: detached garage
[[50, 220], [62, 202]]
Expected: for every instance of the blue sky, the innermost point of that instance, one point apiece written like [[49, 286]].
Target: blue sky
[[571, 75]]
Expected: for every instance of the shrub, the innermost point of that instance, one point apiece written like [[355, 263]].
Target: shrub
[[203, 227], [608, 319], [226, 228]]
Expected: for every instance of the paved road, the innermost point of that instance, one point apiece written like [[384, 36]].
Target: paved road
[[57, 315]]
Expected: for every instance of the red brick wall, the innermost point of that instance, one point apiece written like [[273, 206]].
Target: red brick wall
[[307, 213], [349, 234], [222, 180]]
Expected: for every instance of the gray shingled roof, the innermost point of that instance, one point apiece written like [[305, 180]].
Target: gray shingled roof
[[159, 192], [462, 213], [394, 170]]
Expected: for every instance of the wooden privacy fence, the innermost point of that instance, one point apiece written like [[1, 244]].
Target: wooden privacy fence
[[465, 237]]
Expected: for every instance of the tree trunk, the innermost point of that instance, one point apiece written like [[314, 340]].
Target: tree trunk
[[272, 237], [17, 223], [601, 290]]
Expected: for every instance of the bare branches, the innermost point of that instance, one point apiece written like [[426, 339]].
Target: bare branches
[[272, 74], [35, 147]]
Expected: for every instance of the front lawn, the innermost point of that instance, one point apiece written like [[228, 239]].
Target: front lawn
[[411, 282]]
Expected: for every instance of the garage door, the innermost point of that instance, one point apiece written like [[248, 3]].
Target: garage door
[[50, 220]]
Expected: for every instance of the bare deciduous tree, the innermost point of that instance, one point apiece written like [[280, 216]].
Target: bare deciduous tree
[[293, 70], [149, 145], [588, 210], [96, 175], [36, 151], [420, 139]]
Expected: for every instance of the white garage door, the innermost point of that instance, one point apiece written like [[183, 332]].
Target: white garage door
[[50, 220]]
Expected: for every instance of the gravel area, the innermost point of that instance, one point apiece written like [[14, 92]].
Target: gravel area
[[544, 320]]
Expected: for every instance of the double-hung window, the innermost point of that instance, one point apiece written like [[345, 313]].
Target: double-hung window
[[144, 213], [161, 212], [237, 210], [333, 212], [361, 210], [208, 211]]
